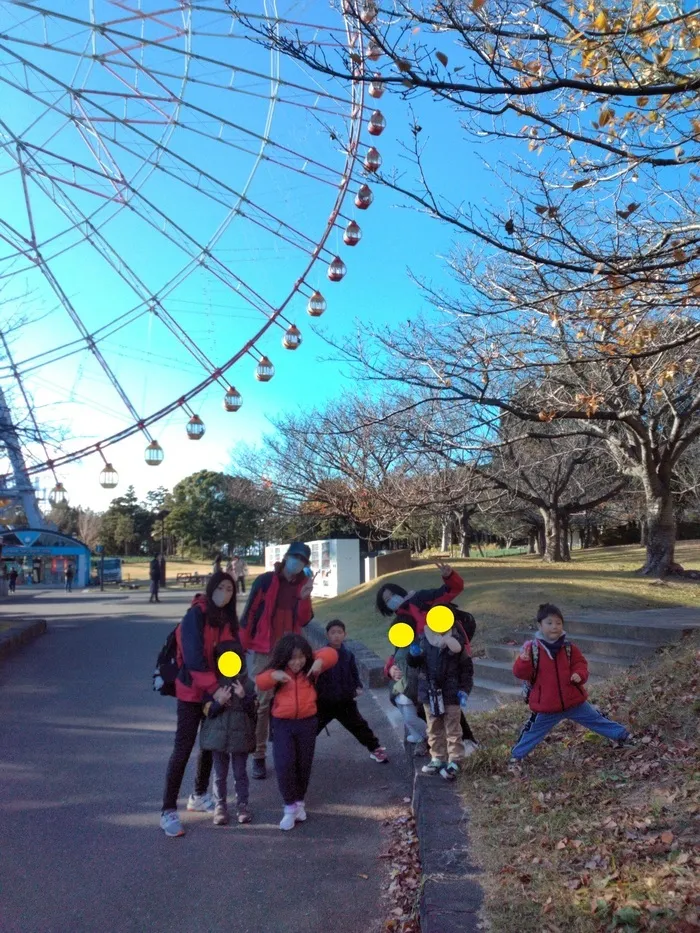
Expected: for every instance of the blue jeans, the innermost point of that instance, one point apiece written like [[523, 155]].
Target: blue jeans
[[539, 725], [240, 776]]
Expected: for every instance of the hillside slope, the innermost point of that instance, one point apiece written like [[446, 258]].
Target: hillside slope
[[588, 838]]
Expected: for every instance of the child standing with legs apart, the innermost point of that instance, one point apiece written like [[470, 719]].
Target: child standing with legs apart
[[446, 676], [291, 673], [337, 692], [228, 731], [555, 671]]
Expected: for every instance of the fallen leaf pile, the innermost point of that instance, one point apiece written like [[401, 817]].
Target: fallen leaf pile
[[587, 838], [405, 874]]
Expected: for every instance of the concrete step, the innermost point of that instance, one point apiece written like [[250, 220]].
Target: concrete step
[[601, 665], [656, 630], [614, 647], [495, 690]]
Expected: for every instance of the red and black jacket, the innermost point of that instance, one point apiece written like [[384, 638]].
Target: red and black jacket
[[256, 621], [196, 640]]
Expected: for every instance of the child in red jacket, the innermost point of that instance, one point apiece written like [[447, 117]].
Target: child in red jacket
[[556, 681]]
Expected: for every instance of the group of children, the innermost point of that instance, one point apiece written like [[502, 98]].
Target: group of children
[[312, 688]]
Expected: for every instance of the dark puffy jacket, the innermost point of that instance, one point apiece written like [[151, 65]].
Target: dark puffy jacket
[[340, 683], [256, 621], [230, 728], [442, 668]]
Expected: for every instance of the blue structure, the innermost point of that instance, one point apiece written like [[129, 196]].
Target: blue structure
[[41, 557]]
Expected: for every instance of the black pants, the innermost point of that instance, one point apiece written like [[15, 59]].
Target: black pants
[[349, 716], [189, 716], [155, 584], [293, 744], [241, 584]]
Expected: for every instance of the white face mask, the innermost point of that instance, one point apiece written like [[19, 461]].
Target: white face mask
[[293, 566], [221, 597], [395, 602]]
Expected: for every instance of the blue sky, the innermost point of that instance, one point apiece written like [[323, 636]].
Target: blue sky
[[74, 394]]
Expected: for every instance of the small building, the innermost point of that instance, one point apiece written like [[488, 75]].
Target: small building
[[335, 563], [41, 557]]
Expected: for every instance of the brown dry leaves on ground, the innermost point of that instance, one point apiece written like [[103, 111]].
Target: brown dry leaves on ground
[[404, 873], [587, 838]]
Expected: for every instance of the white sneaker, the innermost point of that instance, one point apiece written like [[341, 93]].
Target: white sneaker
[[300, 814], [469, 747], [203, 803], [170, 824], [288, 820]]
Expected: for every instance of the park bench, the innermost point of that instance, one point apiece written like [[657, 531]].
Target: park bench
[[194, 579]]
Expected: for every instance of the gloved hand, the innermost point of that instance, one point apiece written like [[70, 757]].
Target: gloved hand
[[462, 697], [453, 644], [415, 649]]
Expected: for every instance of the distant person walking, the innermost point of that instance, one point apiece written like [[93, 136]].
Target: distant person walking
[[154, 574], [13, 580], [216, 566], [70, 573], [240, 572]]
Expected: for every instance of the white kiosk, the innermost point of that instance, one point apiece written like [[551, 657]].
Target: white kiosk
[[336, 562]]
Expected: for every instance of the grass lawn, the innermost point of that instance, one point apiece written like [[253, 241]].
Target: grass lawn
[[137, 571], [587, 838], [504, 593]]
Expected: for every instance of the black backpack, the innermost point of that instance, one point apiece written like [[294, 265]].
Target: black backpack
[[165, 674], [465, 619]]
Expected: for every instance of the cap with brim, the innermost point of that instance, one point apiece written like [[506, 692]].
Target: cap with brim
[[299, 549]]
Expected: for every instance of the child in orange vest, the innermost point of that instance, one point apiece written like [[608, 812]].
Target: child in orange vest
[[291, 673]]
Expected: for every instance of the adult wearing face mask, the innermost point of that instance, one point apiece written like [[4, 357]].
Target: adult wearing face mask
[[279, 603], [210, 619]]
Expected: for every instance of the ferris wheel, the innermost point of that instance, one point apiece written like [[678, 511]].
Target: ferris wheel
[[171, 194]]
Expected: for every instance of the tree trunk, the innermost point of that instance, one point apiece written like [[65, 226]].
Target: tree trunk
[[661, 534], [464, 532], [541, 541], [643, 533], [552, 533], [446, 534], [565, 541]]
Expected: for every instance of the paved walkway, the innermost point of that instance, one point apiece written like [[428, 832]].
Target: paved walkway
[[83, 748]]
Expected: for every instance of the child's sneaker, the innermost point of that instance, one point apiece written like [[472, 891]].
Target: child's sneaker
[[201, 803], [243, 814], [421, 749], [450, 771], [380, 755], [433, 766], [629, 741], [288, 820], [221, 815], [300, 813], [170, 823]]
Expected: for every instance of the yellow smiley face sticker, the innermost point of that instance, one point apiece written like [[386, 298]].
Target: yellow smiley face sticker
[[230, 664], [401, 634], [440, 619]]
